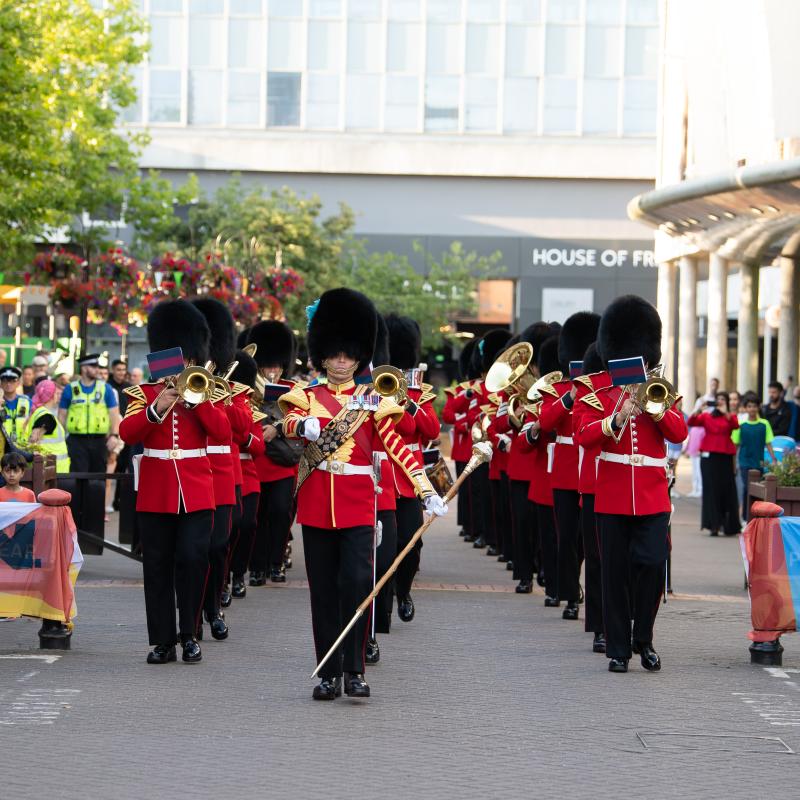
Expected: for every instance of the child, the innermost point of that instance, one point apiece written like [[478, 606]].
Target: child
[[13, 467], [752, 436]]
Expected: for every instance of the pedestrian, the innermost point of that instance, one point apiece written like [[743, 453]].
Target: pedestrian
[[43, 428], [40, 365], [118, 462], [777, 411], [13, 466], [27, 381], [136, 376], [16, 408], [709, 397], [675, 450], [735, 403], [720, 508], [752, 437]]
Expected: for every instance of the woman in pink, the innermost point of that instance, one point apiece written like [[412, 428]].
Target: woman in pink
[[693, 451]]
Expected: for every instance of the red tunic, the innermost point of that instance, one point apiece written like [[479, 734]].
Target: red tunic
[[455, 413], [249, 452], [718, 430], [587, 458], [416, 430], [555, 417], [540, 490]]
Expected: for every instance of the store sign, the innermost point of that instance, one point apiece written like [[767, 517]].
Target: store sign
[[592, 257]]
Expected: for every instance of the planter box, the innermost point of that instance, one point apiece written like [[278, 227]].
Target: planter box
[[767, 488]]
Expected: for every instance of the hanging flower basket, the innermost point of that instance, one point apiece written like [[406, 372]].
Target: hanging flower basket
[[54, 264]]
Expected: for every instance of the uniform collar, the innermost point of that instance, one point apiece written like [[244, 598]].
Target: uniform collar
[[338, 388]]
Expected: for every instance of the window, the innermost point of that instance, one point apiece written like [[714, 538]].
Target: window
[[483, 49], [166, 41], [563, 50], [563, 10], [605, 12], [166, 6], [480, 104], [165, 95], [285, 48], [363, 102], [363, 47], [639, 113], [483, 10], [283, 99], [245, 43], [205, 97], [402, 54], [641, 52], [441, 104], [322, 104], [444, 10], [244, 92], [643, 11], [250, 7], [520, 105], [402, 103], [600, 105], [285, 8], [364, 9], [205, 6], [324, 8], [602, 51], [205, 36], [444, 49], [523, 50], [324, 45], [523, 10], [133, 112], [404, 9], [560, 105]]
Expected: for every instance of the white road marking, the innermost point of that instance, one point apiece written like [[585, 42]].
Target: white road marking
[[46, 659]]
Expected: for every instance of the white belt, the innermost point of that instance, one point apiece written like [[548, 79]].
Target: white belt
[[176, 454], [634, 460], [245, 457], [219, 449], [340, 468], [563, 440], [381, 456], [413, 447]]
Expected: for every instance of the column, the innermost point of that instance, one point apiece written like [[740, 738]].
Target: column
[[787, 331], [666, 304], [747, 337], [687, 329], [717, 347]]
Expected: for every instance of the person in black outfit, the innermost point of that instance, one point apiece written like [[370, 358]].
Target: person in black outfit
[[777, 411], [117, 381]]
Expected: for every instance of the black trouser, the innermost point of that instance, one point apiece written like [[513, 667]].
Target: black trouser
[[339, 569], [479, 501], [499, 525], [175, 561], [462, 510], [546, 522], [273, 523], [87, 452], [387, 551], [506, 541], [633, 556], [217, 559], [243, 535], [523, 521], [593, 607], [720, 504], [409, 519], [567, 506]]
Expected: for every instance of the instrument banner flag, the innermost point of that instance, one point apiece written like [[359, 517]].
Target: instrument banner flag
[[625, 371], [165, 363], [575, 369]]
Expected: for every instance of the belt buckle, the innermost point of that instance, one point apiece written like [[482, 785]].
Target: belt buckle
[[336, 467], [637, 460], [175, 453]]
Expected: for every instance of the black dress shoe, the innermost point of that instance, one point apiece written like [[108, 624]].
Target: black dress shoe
[[570, 612], [617, 664], [462, 532], [162, 654], [238, 589], [540, 578], [405, 609], [599, 643], [355, 685], [468, 537], [278, 574], [191, 651], [225, 597], [479, 543], [713, 533], [503, 558], [524, 587], [258, 578], [219, 628], [328, 689], [491, 550], [373, 652], [551, 602], [510, 566], [650, 660]]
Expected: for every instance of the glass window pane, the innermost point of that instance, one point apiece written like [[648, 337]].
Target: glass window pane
[[174, 6], [524, 10], [284, 50], [322, 105], [364, 9], [364, 47], [245, 43], [441, 104], [205, 6], [444, 10], [560, 105], [483, 10], [205, 34], [639, 114], [205, 97], [165, 96], [404, 9], [324, 8], [250, 7], [523, 50], [324, 45], [402, 54], [562, 53], [480, 104], [444, 50], [363, 101], [483, 49], [641, 52], [602, 51], [133, 112], [283, 99], [606, 12], [520, 105], [166, 41], [600, 105], [402, 100], [285, 8], [563, 10], [244, 93], [643, 11]]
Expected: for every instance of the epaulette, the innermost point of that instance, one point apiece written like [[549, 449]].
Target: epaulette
[[494, 399], [585, 380], [547, 388], [488, 408], [591, 399], [296, 396], [258, 415], [426, 387], [135, 393], [426, 397], [451, 391], [388, 408], [239, 388]]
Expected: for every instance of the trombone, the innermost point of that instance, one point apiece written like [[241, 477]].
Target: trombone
[[390, 382], [194, 385], [655, 396]]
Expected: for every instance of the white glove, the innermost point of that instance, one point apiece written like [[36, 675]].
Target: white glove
[[435, 505], [503, 442], [311, 429], [485, 448]]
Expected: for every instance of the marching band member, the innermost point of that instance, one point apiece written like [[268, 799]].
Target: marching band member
[[343, 425], [632, 501], [578, 332], [175, 498]]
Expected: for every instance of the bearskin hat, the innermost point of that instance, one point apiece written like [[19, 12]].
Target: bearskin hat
[[492, 344], [465, 371], [630, 327], [246, 370], [405, 341], [547, 358], [177, 323], [577, 333], [342, 321], [381, 354], [537, 333], [223, 330], [591, 360], [241, 339], [275, 344]]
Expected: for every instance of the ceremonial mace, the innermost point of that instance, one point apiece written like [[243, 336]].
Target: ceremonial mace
[[481, 453]]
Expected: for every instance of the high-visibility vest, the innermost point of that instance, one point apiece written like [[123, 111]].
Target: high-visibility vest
[[55, 442], [88, 412], [14, 423]]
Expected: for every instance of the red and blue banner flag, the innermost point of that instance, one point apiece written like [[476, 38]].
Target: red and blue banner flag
[[625, 371], [165, 363]]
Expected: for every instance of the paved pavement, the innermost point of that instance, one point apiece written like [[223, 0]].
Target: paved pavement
[[485, 693]]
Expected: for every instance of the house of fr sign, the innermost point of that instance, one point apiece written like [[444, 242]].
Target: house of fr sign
[[592, 257]]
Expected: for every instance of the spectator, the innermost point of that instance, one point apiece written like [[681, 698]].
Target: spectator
[[15, 407], [720, 510], [40, 365], [674, 451], [137, 376], [752, 436], [119, 460], [13, 467], [693, 451], [27, 381], [709, 397], [3, 358], [736, 402], [44, 429], [777, 411]]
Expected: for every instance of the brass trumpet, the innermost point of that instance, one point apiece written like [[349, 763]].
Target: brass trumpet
[[194, 386], [390, 382], [654, 397]]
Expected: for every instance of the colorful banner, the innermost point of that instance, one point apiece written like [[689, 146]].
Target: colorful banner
[[625, 371]]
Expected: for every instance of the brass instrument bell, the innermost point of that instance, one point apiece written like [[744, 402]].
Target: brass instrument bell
[[535, 392], [390, 382], [655, 395], [512, 370]]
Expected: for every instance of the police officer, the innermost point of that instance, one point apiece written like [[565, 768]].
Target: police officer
[[89, 410], [16, 407]]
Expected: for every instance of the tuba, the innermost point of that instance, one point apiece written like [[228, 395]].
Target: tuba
[[390, 382], [512, 371], [535, 392]]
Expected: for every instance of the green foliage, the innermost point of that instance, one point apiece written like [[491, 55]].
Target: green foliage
[[787, 471]]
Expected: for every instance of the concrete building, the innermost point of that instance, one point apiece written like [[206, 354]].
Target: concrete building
[[522, 126]]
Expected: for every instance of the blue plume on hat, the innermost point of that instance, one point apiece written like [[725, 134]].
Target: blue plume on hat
[[481, 343], [310, 311]]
